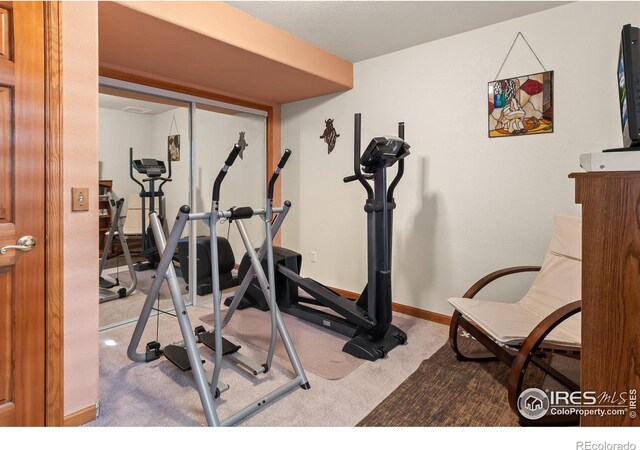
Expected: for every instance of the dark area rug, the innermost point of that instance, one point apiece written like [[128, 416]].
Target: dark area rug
[[445, 392]]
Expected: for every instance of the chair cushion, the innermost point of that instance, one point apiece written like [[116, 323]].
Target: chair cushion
[[557, 284], [511, 323], [132, 225], [566, 237]]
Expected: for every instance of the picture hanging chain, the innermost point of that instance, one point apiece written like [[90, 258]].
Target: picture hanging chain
[[173, 122], [511, 48]]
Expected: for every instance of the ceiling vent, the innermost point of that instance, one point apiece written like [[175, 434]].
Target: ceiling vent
[[133, 109]]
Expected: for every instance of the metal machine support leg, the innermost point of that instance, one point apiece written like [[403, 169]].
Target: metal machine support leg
[[147, 307], [272, 278], [127, 258], [217, 296], [167, 271], [116, 228], [246, 281], [282, 329], [193, 230], [264, 284]]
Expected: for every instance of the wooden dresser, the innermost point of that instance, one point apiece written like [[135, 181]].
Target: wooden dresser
[[610, 286]]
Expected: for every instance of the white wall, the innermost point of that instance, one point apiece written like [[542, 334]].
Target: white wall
[[119, 131], [244, 184], [176, 191], [467, 204]]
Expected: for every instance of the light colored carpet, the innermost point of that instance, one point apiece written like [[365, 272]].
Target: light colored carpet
[[319, 349], [159, 394]]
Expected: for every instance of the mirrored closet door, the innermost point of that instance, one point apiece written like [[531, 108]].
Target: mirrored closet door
[[145, 134]]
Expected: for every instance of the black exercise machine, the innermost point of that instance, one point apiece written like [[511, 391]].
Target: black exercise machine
[[153, 169], [226, 263], [368, 320]]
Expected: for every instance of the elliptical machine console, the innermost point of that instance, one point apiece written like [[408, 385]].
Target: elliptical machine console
[[153, 169], [383, 152]]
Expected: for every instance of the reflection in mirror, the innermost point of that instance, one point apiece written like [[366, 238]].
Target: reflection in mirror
[[217, 130], [155, 128]]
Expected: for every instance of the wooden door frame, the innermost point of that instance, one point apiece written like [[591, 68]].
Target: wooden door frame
[[54, 211]]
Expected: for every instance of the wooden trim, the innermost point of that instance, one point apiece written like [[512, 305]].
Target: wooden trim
[[422, 314], [8, 414], [160, 84], [403, 309], [54, 250], [346, 294], [85, 415]]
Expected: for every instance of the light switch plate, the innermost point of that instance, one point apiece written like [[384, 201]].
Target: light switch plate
[[79, 199]]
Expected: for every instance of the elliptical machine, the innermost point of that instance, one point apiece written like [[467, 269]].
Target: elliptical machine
[[368, 320], [153, 169], [186, 355]]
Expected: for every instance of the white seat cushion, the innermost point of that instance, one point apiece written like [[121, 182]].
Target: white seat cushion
[[133, 222], [557, 284], [511, 323]]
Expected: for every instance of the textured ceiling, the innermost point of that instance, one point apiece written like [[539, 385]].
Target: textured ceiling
[[359, 30]]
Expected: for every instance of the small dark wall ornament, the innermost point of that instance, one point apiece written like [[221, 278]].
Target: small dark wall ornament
[[330, 135], [243, 144]]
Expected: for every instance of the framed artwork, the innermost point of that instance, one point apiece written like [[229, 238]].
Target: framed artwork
[[522, 105], [174, 147]]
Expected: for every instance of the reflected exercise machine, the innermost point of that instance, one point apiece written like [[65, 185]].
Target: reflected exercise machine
[[116, 231], [153, 169]]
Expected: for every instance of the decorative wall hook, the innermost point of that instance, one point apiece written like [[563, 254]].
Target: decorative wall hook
[[243, 144], [330, 135]]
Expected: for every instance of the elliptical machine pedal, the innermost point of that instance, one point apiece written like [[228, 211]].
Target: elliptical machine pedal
[[178, 356], [208, 339]]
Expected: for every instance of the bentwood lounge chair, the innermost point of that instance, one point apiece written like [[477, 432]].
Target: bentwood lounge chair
[[545, 320]]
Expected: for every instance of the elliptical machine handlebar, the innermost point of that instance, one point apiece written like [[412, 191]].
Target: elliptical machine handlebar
[[350, 178], [235, 151], [396, 180], [363, 177], [356, 158], [284, 158], [168, 177], [274, 177], [131, 170]]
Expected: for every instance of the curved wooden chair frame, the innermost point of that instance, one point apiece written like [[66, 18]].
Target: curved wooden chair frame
[[518, 358]]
